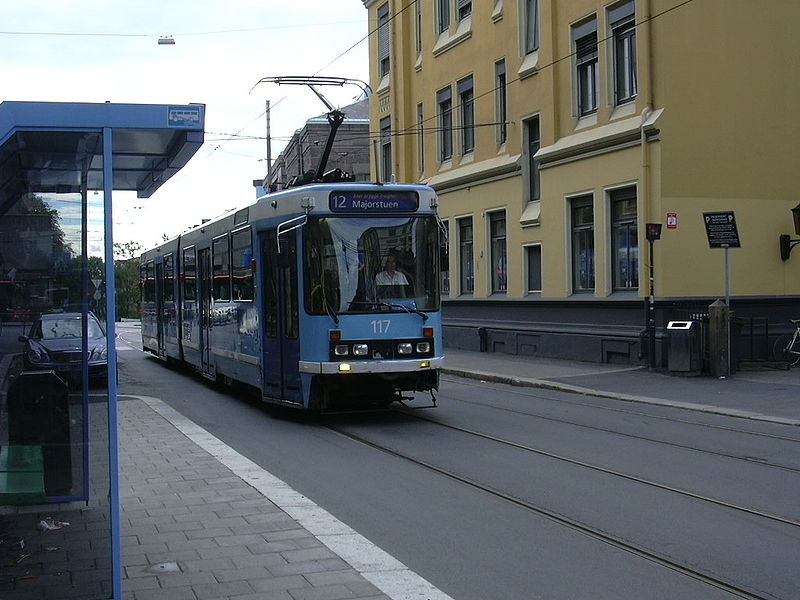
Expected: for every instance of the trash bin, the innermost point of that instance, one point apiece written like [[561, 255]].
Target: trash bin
[[684, 356], [38, 415]]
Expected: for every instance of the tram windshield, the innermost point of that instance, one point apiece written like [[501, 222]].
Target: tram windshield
[[356, 265]]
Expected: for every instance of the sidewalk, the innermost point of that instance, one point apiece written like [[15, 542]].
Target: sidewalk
[[769, 395], [201, 521]]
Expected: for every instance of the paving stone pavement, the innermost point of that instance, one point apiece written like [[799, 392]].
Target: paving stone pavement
[[192, 529]]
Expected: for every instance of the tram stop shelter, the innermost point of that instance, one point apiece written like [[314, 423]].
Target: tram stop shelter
[[59, 469]]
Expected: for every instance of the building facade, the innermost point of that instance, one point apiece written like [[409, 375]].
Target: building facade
[[555, 131], [350, 151]]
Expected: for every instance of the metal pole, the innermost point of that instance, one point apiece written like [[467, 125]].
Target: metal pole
[[269, 152], [651, 317], [111, 349], [728, 303]]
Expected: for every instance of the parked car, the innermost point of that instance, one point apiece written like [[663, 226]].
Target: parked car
[[55, 343]]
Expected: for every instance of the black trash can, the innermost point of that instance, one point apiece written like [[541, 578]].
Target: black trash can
[[38, 415], [685, 349]]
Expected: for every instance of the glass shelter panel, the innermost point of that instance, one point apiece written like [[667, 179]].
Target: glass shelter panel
[[54, 405]]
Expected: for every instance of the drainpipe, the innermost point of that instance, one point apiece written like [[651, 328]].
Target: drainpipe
[[644, 202]]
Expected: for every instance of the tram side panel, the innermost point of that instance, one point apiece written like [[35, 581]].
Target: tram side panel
[[147, 307], [234, 321], [279, 281], [169, 315], [188, 302]]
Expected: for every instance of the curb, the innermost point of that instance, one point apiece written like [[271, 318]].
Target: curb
[[565, 387]]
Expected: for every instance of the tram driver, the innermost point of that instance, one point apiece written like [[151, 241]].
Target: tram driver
[[391, 283]]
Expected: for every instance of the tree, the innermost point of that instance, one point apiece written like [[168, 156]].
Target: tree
[[127, 279]]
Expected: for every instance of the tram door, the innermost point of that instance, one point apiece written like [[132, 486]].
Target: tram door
[[205, 317], [281, 375], [160, 316]]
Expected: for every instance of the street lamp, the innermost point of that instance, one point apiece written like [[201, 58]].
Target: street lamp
[[786, 241]]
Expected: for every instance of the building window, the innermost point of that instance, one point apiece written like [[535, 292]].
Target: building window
[[383, 40], [222, 269], [531, 26], [501, 96], [420, 138], [466, 266], [466, 98], [499, 253], [242, 264], [418, 25], [585, 39], [464, 9], [386, 148], [445, 102], [582, 244], [444, 15], [533, 260], [624, 239], [533, 143], [444, 257], [622, 21]]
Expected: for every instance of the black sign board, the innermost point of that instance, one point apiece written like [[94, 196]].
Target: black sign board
[[373, 201], [721, 230]]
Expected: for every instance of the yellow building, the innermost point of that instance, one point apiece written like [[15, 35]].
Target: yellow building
[[555, 131]]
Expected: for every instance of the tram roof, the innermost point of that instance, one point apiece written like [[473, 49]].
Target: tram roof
[[45, 146]]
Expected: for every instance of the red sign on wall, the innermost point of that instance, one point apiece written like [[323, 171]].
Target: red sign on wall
[[672, 220]]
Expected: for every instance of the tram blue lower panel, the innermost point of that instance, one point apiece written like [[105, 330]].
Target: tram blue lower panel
[[239, 370]]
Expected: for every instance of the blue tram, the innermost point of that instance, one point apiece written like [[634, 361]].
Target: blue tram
[[322, 296]]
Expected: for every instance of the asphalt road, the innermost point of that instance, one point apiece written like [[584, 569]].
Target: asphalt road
[[524, 493]]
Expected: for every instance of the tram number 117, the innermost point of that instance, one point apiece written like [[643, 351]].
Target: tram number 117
[[380, 325]]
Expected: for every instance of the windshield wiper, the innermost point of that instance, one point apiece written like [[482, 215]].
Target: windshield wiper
[[329, 309], [408, 309]]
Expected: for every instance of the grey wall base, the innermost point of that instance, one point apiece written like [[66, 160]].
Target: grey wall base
[[604, 331]]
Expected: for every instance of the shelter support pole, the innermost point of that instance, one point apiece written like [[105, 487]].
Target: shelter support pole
[[111, 349]]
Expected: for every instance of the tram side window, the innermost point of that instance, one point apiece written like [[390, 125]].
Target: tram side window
[[222, 270], [189, 275], [150, 282], [241, 264], [168, 290]]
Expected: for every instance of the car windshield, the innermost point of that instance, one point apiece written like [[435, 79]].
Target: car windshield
[[376, 264], [66, 327]]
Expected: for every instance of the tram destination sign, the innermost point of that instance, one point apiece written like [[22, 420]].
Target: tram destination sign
[[373, 201], [721, 229]]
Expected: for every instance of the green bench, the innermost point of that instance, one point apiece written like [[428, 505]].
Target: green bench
[[21, 475]]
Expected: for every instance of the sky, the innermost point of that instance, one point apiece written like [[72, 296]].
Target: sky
[[107, 50]]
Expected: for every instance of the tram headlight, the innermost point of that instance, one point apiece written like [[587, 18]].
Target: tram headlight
[[404, 348], [423, 347], [341, 349], [360, 349]]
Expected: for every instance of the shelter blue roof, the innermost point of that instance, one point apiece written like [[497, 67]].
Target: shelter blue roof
[[44, 146]]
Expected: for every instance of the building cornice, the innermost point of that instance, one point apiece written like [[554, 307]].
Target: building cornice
[[598, 140], [474, 173]]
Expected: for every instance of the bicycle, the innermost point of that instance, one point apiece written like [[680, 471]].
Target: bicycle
[[787, 347]]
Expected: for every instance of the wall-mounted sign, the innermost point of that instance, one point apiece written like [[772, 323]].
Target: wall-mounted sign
[[721, 230], [184, 116], [672, 220]]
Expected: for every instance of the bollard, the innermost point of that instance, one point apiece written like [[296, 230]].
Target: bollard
[[719, 339]]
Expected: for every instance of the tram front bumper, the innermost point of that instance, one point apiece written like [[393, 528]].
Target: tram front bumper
[[371, 366]]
